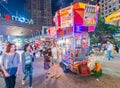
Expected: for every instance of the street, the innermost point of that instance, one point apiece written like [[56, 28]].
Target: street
[[109, 79]]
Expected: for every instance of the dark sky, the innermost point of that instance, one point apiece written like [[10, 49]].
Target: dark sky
[[15, 6], [18, 5]]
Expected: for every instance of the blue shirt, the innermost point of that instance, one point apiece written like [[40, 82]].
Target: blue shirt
[[10, 63]]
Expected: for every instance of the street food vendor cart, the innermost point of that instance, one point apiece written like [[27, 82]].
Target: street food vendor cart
[[75, 22]]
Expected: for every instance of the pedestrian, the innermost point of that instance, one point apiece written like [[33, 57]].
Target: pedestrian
[[109, 48], [49, 51], [5, 46], [1, 48], [46, 64], [10, 65], [27, 64], [55, 61], [116, 48]]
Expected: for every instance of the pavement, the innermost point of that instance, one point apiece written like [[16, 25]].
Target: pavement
[[70, 80], [110, 67]]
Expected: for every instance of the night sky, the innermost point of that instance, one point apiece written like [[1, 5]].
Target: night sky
[[18, 5]]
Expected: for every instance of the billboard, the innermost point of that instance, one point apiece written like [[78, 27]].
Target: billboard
[[90, 15]]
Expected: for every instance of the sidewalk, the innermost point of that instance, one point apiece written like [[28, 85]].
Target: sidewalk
[[110, 67]]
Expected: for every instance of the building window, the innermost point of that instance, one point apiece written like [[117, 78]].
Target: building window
[[109, 10], [106, 8], [106, 3], [109, 6], [105, 11], [114, 9]]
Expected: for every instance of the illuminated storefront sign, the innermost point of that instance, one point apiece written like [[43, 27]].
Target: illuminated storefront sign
[[17, 18], [79, 28], [63, 32], [22, 19]]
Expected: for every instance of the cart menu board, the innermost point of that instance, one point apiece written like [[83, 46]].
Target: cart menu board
[[66, 17], [63, 32], [90, 15]]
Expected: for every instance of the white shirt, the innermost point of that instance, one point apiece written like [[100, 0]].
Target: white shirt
[[109, 47], [54, 52]]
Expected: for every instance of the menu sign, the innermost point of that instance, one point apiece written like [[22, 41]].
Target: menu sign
[[90, 15], [66, 31], [66, 17]]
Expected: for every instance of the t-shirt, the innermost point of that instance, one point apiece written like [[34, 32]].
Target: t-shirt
[[109, 47], [28, 58], [54, 52], [10, 63]]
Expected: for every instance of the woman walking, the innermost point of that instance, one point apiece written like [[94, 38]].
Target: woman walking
[[27, 64], [46, 61], [10, 65]]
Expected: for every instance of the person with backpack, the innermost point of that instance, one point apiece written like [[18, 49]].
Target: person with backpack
[[10, 65], [27, 64]]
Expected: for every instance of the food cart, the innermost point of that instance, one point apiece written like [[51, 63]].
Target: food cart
[[75, 22]]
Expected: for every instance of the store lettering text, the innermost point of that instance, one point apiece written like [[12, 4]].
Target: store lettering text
[[17, 18]]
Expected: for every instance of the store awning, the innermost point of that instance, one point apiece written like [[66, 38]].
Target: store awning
[[115, 16]]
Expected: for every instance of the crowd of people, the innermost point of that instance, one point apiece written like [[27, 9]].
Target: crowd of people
[[10, 62], [106, 49]]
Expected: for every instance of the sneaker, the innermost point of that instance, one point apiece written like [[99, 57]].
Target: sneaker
[[23, 82]]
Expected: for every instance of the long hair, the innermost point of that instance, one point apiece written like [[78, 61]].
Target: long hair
[[25, 47], [9, 47]]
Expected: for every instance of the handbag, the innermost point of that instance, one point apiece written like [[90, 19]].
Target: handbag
[[12, 63]]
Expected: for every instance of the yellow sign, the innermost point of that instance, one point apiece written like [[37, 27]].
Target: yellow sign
[[115, 16]]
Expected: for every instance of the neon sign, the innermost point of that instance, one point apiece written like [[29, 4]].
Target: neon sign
[[22, 19], [17, 18]]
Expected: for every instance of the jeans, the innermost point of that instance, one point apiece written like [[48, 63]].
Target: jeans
[[28, 72], [109, 54], [10, 81]]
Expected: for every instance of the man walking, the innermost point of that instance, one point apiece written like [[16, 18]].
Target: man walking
[[109, 49]]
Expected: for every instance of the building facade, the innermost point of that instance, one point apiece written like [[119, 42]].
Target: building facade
[[109, 6], [40, 11], [93, 2]]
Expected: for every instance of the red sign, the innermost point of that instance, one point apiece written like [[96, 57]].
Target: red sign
[[62, 32]]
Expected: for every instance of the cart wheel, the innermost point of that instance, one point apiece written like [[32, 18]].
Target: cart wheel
[[65, 70]]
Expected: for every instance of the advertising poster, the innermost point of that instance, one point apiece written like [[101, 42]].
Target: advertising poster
[[90, 15]]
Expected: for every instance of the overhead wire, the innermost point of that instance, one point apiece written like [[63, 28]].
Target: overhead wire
[[5, 8]]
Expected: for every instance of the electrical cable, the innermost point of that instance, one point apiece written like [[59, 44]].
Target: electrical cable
[[5, 8]]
